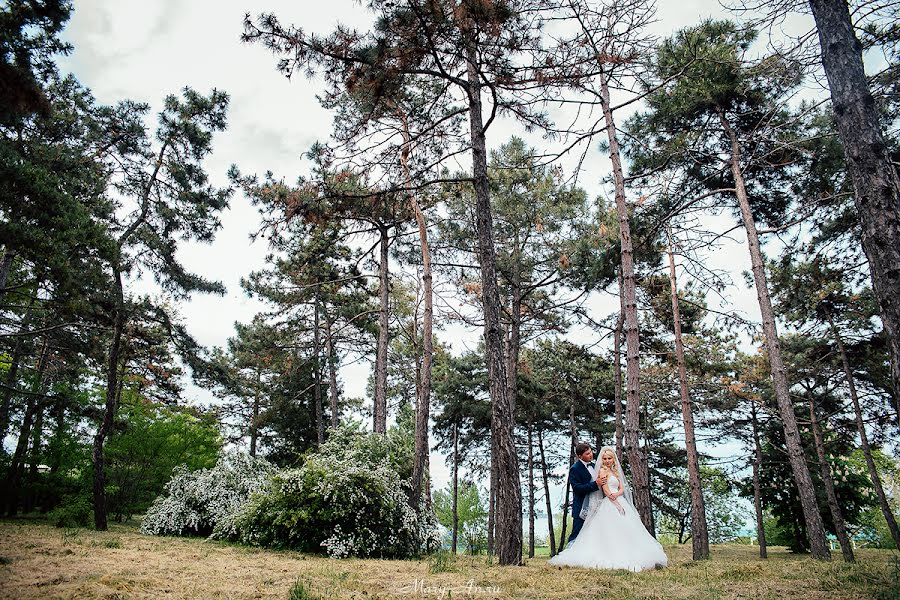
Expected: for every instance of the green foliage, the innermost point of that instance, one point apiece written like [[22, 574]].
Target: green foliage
[[725, 516], [780, 495], [75, 511], [471, 514], [350, 498], [152, 441]]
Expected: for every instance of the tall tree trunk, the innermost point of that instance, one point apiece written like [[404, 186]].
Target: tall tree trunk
[[757, 486], [863, 437], [13, 372], [840, 527], [8, 255], [317, 373], [699, 531], [380, 409], [530, 493], [254, 418], [423, 406], [16, 465], [492, 508], [34, 458], [565, 508], [109, 412], [636, 458], [509, 494], [455, 535], [617, 366], [546, 480], [875, 181], [332, 368], [59, 430], [814, 527]]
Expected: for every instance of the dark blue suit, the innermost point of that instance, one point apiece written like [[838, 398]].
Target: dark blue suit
[[582, 484]]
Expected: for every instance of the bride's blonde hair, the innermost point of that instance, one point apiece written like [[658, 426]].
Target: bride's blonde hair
[[617, 467]]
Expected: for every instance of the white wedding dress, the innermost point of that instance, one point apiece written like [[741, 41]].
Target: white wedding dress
[[610, 540]]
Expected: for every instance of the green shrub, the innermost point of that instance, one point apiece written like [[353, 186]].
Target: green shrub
[[75, 511]]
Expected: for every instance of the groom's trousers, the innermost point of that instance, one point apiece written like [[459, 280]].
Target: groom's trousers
[[577, 523]]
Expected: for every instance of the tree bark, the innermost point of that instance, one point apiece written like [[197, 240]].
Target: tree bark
[[34, 458], [317, 372], [637, 461], [332, 368], [840, 527], [757, 487], [16, 464], [112, 388], [552, 534], [254, 419], [699, 531], [8, 255], [814, 527], [565, 508], [455, 536], [423, 406], [863, 437], [380, 408], [13, 372], [492, 508], [617, 365], [530, 493], [509, 495], [875, 181]]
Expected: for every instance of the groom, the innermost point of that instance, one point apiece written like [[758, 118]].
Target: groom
[[584, 480]]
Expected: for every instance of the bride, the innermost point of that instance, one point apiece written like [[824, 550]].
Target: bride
[[613, 536]]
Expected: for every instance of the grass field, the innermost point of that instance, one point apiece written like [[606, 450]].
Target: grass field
[[40, 561]]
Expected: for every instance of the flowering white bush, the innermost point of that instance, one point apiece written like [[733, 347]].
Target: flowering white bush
[[200, 501], [347, 499], [350, 498]]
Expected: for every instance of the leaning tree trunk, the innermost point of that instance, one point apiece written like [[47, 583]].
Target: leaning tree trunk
[[552, 534], [814, 527], [636, 459], [423, 411], [379, 412], [508, 518], [875, 181], [757, 487], [699, 531], [840, 527], [863, 438], [112, 388]]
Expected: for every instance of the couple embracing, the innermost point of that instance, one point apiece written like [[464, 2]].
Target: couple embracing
[[607, 533]]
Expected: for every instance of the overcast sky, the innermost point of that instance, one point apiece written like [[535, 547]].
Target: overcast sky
[[144, 50]]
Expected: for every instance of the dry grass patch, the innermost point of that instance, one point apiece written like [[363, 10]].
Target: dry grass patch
[[39, 561]]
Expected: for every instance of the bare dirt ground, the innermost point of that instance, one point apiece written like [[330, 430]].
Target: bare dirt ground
[[40, 561]]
